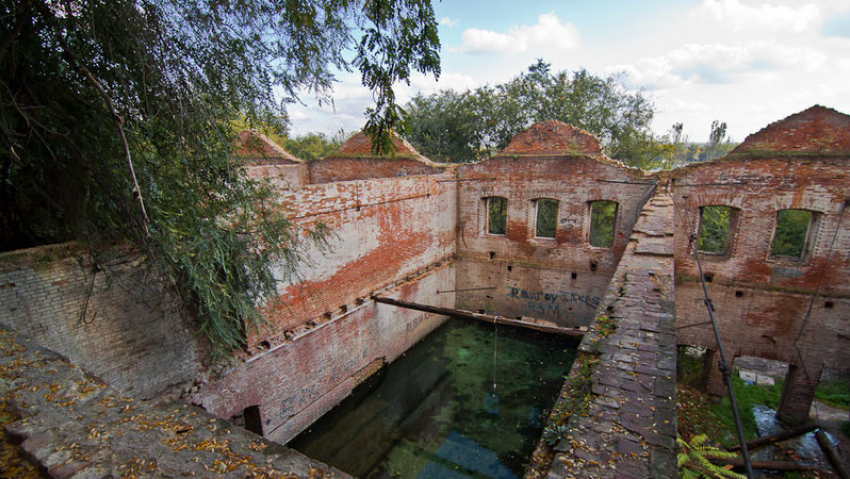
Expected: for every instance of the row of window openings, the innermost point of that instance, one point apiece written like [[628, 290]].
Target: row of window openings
[[603, 218], [792, 234]]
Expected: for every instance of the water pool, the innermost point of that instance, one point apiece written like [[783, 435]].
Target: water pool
[[434, 412]]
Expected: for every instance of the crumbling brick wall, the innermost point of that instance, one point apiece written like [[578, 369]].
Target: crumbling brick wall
[[112, 317], [558, 279], [778, 308], [393, 237]]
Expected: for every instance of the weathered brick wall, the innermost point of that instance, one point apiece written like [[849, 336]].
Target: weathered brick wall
[[381, 230], [111, 318], [299, 380], [334, 168], [281, 177], [388, 236], [792, 311], [558, 279]]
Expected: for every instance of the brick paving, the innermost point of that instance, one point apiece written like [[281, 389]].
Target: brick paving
[[74, 425], [630, 427]]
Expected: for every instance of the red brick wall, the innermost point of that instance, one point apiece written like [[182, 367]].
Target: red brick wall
[[344, 169], [380, 231], [298, 381], [388, 236], [770, 314], [534, 276], [281, 177]]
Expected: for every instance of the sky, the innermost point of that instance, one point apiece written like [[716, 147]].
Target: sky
[[744, 62]]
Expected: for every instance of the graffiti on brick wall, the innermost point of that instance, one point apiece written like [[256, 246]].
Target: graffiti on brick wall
[[541, 302]]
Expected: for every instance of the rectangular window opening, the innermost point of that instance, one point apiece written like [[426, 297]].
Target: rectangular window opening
[[792, 234], [603, 219], [547, 218], [716, 228], [497, 215]]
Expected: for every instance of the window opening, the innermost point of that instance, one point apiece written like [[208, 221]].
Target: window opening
[[715, 226], [547, 218], [603, 218], [791, 236], [497, 214]]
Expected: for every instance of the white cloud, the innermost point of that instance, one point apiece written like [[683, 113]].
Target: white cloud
[[765, 17], [448, 22], [549, 33], [720, 63]]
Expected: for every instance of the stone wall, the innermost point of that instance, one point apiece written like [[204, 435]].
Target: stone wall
[[110, 316], [558, 279]]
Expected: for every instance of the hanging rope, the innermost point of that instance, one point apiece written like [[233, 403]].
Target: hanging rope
[[495, 350]]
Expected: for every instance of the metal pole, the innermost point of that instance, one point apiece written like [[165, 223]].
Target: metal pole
[[724, 368]]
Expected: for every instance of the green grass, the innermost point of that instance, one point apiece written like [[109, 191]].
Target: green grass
[[747, 396], [835, 393]]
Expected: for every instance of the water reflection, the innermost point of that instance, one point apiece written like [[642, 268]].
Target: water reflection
[[436, 413]]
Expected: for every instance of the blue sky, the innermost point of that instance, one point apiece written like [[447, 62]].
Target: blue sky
[[745, 62]]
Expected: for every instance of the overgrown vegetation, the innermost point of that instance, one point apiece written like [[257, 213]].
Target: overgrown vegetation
[[714, 227], [694, 459], [313, 146], [747, 396], [576, 399], [114, 120], [474, 125], [791, 235], [547, 218], [497, 215], [836, 393], [603, 219]]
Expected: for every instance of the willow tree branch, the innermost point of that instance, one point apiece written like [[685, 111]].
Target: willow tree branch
[[119, 123]]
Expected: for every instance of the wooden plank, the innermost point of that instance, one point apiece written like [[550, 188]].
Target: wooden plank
[[797, 431], [570, 332], [771, 465], [832, 454]]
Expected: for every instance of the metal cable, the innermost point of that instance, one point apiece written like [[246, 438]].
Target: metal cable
[[722, 364]]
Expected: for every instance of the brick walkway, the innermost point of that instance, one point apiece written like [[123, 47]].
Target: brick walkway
[[75, 426], [630, 428]]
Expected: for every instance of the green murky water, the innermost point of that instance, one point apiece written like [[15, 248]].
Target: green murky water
[[434, 413]]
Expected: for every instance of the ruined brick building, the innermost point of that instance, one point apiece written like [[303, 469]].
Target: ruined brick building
[[550, 229]]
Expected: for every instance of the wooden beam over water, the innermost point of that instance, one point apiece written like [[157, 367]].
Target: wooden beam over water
[[489, 318]]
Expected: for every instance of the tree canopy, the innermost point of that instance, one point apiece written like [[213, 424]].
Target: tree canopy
[[475, 124], [114, 122]]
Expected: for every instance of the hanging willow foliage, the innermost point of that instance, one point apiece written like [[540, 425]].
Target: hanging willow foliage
[[114, 122]]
